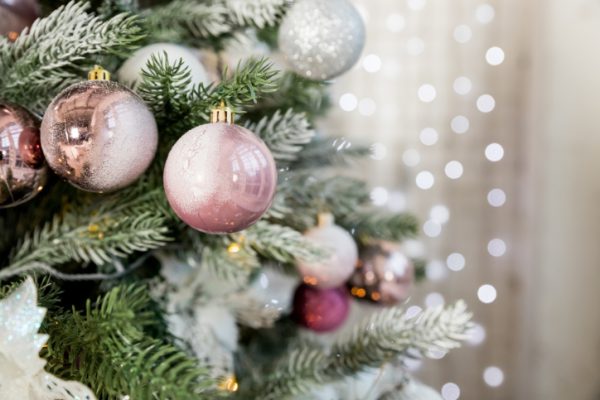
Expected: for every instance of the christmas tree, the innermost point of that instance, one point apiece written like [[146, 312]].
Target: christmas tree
[[155, 224]]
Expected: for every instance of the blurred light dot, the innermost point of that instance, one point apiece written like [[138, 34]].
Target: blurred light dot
[[432, 228], [496, 247], [476, 335], [412, 364], [395, 22], [397, 202], [494, 152], [462, 85], [379, 196], [486, 294], [428, 136], [415, 4], [436, 270], [485, 13], [372, 63], [434, 299], [459, 124], [493, 376], [496, 197], [450, 391], [367, 107], [378, 151], [494, 56], [462, 34], [348, 102], [413, 311], [415, 46], [455, 262], [454, 169], [427, 93], [414, 248], [436, 354], [411, 157], [425, 180], [439, 213], [486, 103]]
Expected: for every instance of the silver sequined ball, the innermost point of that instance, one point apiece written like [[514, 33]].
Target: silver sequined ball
[[322, 39]]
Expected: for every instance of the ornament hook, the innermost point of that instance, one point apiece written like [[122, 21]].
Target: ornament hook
[[222, 113], [98, 74]]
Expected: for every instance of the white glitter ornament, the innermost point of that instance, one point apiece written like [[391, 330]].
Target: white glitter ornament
[[131, 71], [335, 270], [322, 39], [22, 374]]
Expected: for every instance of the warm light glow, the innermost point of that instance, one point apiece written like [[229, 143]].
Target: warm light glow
[[233, 248]]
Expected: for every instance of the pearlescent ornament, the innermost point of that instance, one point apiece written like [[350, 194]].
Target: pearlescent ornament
[[131, 71], [220, 177], [16, 15], [22, 374], [99, 135], [322, 39], [383, 274], [343, 255], [23, 172], [321, 310]]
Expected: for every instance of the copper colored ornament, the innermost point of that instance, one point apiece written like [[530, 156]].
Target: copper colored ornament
[[23, 172], [321, 310], [220, 177], [383, 274], [99, 135], [16, 15]]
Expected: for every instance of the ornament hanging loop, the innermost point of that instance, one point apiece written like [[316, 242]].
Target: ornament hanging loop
[[222, 114], [98, 74]]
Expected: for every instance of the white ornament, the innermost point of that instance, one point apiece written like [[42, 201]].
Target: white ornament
[[131, 71], [322, 39], [22, 375], [337, 268]]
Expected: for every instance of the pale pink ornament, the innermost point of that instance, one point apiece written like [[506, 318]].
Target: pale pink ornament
[[220, 177], [337, 268]]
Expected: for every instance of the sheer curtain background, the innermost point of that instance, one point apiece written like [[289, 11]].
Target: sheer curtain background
[[485, 121]]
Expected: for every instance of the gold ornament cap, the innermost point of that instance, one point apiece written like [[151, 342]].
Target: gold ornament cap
[[98, 74], [222, 114], [325, 219]]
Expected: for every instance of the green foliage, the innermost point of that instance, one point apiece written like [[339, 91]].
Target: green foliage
[[59, 50], [107, 347], [375, 224], [324, 152]]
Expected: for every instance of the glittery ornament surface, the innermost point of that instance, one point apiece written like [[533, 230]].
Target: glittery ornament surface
[[99, 135], [337, 268], [23, 172], [22, 374], [383, 274], [322, 39], [321, 310], [220, 178], [16, 15]]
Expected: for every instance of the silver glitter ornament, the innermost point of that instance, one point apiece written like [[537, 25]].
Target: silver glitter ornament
[[99, 135], [23, 172], [322, 39]]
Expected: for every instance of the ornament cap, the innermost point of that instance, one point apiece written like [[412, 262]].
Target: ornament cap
[[325, 219], [222, 114], [98, 74]]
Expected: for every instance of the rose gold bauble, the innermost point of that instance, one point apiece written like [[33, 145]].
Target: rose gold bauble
[[99, 135], [23, 172], [220, 178], [383, 274], [16, 15]]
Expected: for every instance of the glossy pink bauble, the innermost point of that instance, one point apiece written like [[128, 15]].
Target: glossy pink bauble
[[321, 310], [220, 178]]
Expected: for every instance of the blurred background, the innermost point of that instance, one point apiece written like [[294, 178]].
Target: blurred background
[[484, 118]]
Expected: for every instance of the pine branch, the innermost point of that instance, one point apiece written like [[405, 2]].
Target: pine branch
[[284, 134], [257, 13], [374, 224], [323, 152], [87, 346], [58, 50], [383, 337], [235, 267]]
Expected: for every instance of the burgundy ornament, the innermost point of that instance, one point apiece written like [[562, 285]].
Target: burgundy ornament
[[220, 177], [16, 15], [383, 274], [321, 310], [23, 172]]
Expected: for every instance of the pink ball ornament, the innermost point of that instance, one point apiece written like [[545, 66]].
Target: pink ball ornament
[[220, 177], [321, 310], [338, 267]]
